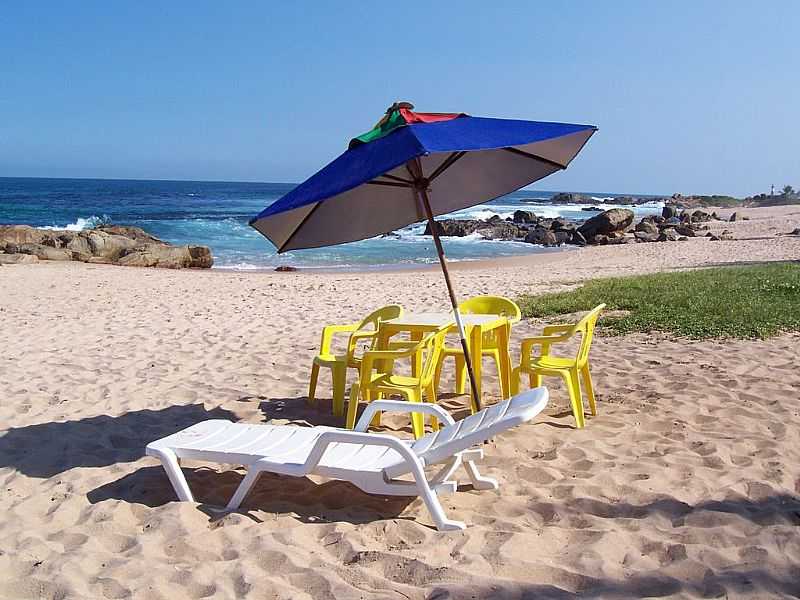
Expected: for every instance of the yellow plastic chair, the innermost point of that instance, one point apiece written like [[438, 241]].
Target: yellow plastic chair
[[374, 382], [480, 305], [567, 368], [338, 363]]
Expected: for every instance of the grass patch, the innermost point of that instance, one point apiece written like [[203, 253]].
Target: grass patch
[[739, 302]]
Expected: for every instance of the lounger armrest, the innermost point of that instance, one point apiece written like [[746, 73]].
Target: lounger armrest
[[356, 437], [404, 407]]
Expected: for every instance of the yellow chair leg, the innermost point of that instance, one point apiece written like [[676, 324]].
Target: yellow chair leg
[[430, 396], [312, 384], [352, 407], [515, 381], [587, 383], [339, 383], [417, 419], [461, 374], [535, 380], [574, 389]]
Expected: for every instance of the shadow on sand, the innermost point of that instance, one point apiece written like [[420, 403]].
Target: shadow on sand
[[750, 583], [46, 449]]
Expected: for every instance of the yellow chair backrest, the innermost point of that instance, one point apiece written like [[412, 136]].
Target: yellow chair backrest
[[491, 305], [371, 323], [431, 348], [373, 320], [586, 328]]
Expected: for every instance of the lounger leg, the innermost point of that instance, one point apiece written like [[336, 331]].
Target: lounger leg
[[176, 478], [479, 482], [243, 489], [432, 503], [441, 482]]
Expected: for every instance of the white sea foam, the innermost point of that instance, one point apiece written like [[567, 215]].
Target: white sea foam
[[79, 225]]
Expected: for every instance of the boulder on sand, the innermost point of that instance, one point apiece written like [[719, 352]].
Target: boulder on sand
[[169, 257], [105, 244], [609, 221], [18, 259]]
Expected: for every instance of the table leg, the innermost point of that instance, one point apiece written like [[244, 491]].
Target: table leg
[[416, 360], [475, 338], [503, 334]]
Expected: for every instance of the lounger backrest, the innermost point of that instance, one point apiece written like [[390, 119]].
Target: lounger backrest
[[439, 445]]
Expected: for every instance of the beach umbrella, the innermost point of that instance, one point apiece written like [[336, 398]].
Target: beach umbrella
[[412, 167]]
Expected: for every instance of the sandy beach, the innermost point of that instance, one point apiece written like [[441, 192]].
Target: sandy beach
[[685, 485]]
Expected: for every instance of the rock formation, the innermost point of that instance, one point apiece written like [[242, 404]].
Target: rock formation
[[112, 244]]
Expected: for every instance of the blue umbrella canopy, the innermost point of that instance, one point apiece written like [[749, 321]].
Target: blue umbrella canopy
[[414, 166], [371, 188]]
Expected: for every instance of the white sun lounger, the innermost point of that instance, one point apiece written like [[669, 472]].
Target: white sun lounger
[[371, 461]]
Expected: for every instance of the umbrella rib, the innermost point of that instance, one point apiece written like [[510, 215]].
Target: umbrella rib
[[390, 184], [396, 178], [296, 229], [449, 161], [535, 157]]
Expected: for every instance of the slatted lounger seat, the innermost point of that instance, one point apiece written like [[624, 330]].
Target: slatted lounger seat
[[370, 461]]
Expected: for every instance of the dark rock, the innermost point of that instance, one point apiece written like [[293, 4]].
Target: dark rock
[[542, 236], [609, 221], [494, 219], [647, 226], [286, 269], [454, 227], [561, 224], [499, 230], [524, 216], [562, 236], [592, 209], [685, 230], [646, 236], [668, 235], [546, 223], [568, 198]]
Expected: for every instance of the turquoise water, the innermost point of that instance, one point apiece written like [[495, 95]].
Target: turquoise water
[[215, 214]]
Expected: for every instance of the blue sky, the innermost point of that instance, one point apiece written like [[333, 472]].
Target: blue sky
[[691, 97]]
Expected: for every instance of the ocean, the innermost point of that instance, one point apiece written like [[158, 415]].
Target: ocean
[[215, 214]]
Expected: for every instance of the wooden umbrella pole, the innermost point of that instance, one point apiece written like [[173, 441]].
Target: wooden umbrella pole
[[422, 194]]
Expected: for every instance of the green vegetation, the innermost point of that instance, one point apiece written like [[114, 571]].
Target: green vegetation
[[740, 302], [722, 201]]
